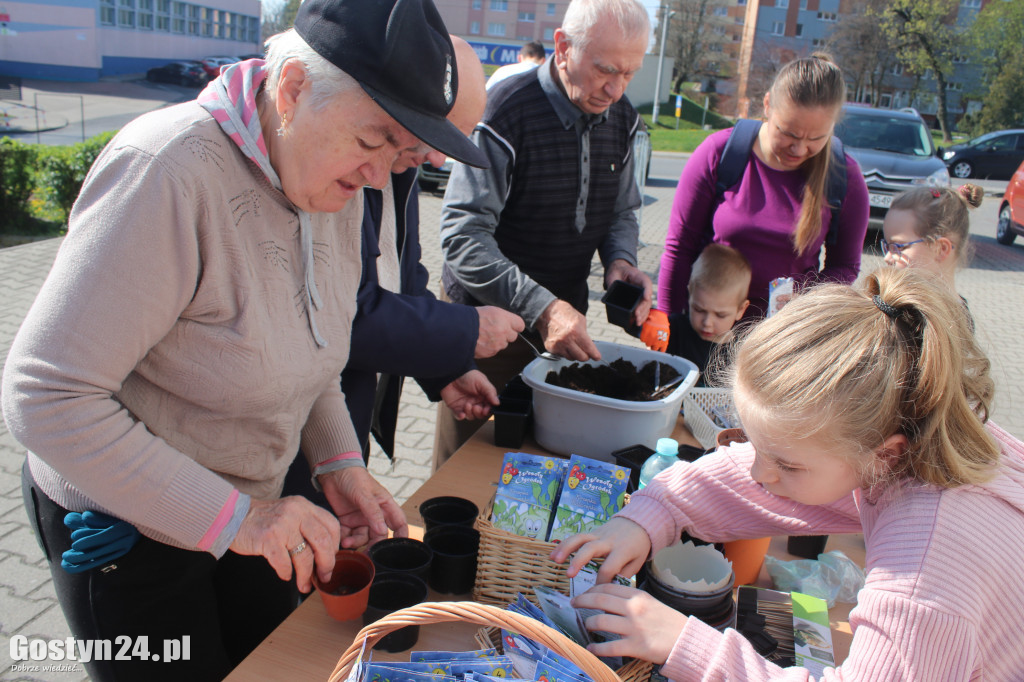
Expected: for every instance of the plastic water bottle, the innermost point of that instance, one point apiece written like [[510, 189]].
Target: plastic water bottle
[[665, 455]]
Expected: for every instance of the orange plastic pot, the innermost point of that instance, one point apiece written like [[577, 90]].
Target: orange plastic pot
[[747, 557], [346, 593]]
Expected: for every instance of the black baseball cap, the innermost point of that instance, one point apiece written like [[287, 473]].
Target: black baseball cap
[[400, 53]]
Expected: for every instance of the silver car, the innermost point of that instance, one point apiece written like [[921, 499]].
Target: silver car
[[895, 151]]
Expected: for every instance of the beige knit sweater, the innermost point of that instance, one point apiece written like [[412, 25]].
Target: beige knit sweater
[[167, 368]]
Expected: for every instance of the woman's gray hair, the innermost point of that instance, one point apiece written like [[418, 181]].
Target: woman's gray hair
[[583, 15], [327, 80]]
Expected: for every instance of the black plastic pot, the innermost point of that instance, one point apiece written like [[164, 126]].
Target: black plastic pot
[[632, 458], [402, 555], [512, 421], [389, 593], [448, 511], [806, 546], [516, 388], [714, 608], [620, 302], [453, 570]]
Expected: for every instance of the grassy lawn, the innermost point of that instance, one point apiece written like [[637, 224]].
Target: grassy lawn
[[666, 138]]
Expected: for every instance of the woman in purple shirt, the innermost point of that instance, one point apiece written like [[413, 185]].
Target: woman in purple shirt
[[777, 215]]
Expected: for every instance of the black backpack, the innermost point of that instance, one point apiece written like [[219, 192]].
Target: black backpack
[[737, 152]]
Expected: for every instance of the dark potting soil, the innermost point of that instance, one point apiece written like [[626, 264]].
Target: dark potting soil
[[619, 379]]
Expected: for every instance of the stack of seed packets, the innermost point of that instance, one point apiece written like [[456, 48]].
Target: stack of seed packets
[[527, 493], [441, 666], [593, 491]]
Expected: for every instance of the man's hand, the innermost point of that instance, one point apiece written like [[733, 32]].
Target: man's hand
[[627, 272], [363, 507], [498, 328], [564, 331], [471, 396]]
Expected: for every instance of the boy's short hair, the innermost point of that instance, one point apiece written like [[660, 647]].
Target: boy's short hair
[[721, 267]]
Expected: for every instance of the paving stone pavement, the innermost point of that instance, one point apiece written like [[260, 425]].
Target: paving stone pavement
[[994, 286]]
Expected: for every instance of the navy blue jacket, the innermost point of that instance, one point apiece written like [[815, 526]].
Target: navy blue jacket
[[401, 334]]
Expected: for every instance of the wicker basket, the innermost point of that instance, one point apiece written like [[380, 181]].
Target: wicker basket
[[697, 406], [634, 671], [482, 614], [508, 564]]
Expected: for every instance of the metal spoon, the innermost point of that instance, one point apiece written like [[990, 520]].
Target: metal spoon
[[547, 355]]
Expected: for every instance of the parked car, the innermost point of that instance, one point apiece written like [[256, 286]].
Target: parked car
[[433, 179], [185, 73], [993, 155], [211, 65], [895, 151], [1011, 211]]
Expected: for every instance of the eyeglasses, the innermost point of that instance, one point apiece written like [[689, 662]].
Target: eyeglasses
[[896, 248]]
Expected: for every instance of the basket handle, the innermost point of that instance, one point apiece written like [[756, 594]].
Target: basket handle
[[481, 614]]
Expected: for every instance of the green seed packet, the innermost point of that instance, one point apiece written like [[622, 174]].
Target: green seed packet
[[527, 492], [592, 493]]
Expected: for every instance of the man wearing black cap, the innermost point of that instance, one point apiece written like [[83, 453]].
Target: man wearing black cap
[[522, 233]]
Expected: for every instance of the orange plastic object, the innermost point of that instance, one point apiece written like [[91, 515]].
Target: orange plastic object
[[345, 595]]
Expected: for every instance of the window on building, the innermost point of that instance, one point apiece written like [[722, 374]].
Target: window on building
[[817, 42], [194, 19], [782, 4], [478, 4], [721, 11], [741, 2], [495, 29], [499, 5], [897, 69], [163, 15], [549, 33], [827, 16], [551, 9], [527, 16], [955, 86], [126, 13], [803, 4], [885, 101], [474, 28], [961, 59], [206, 19], [177, 17], [778, 28], [971, 3], [799, 30], [108, 12], [145, 15]]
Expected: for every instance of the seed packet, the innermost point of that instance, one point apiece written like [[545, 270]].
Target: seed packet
[[393, 672], [523, 651], [593, 491], [496, 666], [451, 655], [431, 667], [555, 668], [558, 608], [526, 494], [477, 677]]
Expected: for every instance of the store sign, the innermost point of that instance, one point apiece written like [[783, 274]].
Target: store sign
[[496, 54]]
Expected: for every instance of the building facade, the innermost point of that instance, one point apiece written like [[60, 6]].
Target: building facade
[[83, 40]]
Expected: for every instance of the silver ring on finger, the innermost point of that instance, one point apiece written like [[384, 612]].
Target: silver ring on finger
[[298, 549]]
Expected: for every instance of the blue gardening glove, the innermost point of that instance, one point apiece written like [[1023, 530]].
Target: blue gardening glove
[[96, 539]]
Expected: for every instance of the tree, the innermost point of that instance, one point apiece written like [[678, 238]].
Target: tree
[[865, 54], [696, 32], [926, 38], [996, 36], [279, 18]]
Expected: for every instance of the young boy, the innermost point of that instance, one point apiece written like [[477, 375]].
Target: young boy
[[718, 289]]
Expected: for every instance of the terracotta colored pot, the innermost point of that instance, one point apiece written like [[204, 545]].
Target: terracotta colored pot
[[746, 556], [727, 436], [346, 593]]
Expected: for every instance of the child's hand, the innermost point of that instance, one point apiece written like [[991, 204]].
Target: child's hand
[[624, 543], [655, 331], [649, 629]]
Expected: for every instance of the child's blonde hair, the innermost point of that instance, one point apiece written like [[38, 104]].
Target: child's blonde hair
[[720, 267], [893, 356], [942, 212], [814, 81]]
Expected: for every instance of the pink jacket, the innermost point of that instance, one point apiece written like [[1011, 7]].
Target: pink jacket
[[943, 598]]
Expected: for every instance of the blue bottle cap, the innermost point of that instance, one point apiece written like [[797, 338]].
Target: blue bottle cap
[[667, 446]]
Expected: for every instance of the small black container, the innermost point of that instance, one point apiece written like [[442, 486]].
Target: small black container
[[516, 388], [806, 546], [714, 608], [512, 421], [389, 593], [632, 458], [453, 570], [402, 555], [620, 302], [448, 511]]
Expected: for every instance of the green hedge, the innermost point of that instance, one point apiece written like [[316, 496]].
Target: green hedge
[[39, 183]]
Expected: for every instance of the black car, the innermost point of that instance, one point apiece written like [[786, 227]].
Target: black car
[[179, 73], [993, 155], [895, 151]]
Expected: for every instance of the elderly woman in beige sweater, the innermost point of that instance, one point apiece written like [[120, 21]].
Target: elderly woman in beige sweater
[[190, 337]]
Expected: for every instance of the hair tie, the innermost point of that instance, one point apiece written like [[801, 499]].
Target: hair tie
[[936, 193], [889, 310]]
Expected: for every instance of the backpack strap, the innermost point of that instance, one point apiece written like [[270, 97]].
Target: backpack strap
[[735, 155], [835, 189]]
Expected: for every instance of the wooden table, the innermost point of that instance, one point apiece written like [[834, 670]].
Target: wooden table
[[309, 643]]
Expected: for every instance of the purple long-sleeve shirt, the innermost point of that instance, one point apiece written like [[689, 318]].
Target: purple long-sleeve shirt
[[757, 217]]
